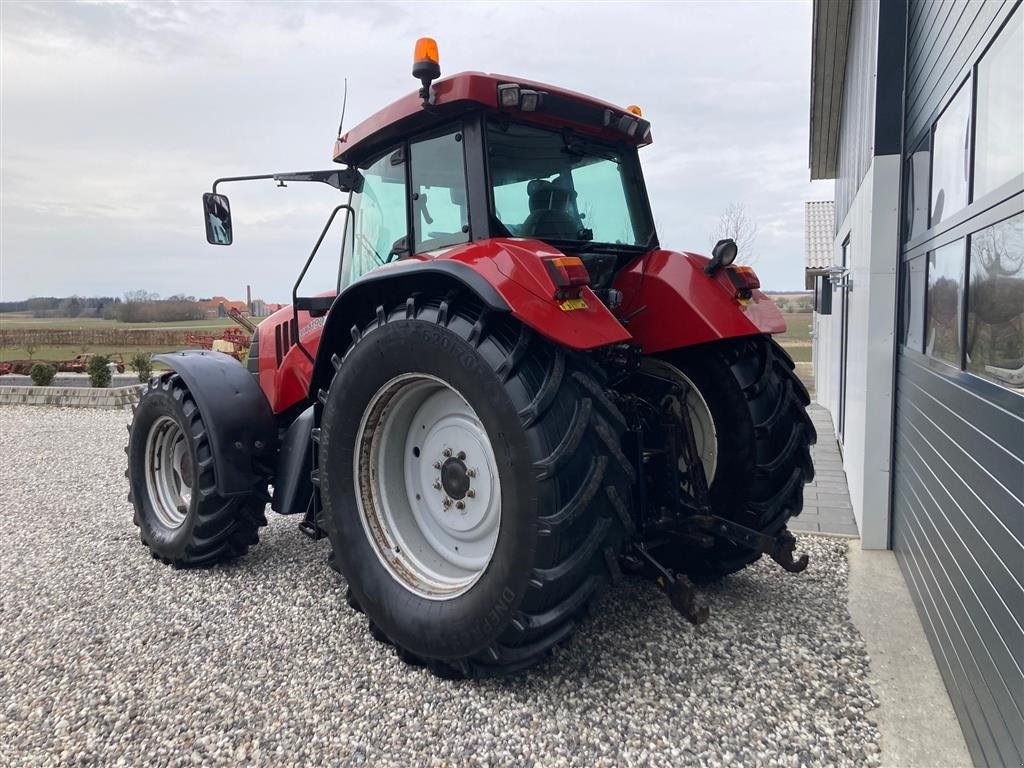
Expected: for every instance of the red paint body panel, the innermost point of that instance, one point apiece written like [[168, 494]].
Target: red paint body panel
[[514, 268], [288, 384], [473, 88], [684, 306]]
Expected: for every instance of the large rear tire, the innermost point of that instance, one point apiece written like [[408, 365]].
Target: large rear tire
[[173, 484], [438, 397], [758, 444]]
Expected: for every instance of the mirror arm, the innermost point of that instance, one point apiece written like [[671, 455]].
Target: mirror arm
[[344, 180]]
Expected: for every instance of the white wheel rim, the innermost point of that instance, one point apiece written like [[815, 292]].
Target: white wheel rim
[[704, 431], [428, 492], [168, 472]]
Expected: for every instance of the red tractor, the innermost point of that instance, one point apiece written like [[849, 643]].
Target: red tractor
[[511, 395]]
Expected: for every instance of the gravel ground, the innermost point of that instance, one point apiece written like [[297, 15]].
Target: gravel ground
[[109, 657]]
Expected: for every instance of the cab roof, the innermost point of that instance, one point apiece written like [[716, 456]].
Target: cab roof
[[468, 91]]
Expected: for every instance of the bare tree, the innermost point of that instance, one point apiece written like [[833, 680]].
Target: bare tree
[[735, 223]]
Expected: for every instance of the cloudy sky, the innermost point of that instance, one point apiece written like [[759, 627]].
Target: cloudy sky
[[116, 117]]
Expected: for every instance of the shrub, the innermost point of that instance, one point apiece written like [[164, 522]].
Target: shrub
[[99, 373], [143, 365], [42, 374]]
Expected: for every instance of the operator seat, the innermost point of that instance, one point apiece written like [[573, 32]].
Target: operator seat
[[549, 214]]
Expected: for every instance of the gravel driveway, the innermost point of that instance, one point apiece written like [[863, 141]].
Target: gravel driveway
[[108, 656]]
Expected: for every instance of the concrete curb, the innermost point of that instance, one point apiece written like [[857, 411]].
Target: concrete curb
[[72, 397]]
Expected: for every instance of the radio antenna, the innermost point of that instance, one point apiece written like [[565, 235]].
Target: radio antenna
[[344, 103]]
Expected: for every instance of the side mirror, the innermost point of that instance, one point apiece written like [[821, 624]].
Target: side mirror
[[217, 216], [722, 255]]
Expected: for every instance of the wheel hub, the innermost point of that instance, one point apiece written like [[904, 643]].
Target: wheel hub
[[455, 478]]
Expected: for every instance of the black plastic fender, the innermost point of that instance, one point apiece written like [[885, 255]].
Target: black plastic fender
[[292, 484], [241, 426]]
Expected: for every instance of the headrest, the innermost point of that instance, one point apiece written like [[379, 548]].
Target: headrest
[[548, 196]]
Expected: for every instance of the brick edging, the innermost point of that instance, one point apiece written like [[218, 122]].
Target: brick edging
[[72, 397]]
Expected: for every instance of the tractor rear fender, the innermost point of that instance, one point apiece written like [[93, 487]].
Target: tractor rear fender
[[241, 427], [505, 274], [671, 302]]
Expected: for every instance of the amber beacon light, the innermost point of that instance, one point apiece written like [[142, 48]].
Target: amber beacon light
[[426, 65]]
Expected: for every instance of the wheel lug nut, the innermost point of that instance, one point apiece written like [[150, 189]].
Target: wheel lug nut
[[460, 505], [471, 472], [471, 493], [437, 485], [447, 502], [447, 452], [462, 456], [437, 465]]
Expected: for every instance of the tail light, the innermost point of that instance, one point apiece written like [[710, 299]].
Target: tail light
[[744, 280], [568, 273]]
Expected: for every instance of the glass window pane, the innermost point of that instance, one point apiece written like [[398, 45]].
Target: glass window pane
[[999, 140], [945, 287], [915, 203], [556, 186], [950, 157], [440, 205], [380, 222], [995, 303], [912, 311]]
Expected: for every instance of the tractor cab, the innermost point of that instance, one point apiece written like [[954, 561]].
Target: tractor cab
[[478, 156]]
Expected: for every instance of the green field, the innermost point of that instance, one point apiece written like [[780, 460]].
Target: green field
[[14, 320], [53, 354]]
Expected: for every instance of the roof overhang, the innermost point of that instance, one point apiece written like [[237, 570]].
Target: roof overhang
[[830, 38], [453, 96]]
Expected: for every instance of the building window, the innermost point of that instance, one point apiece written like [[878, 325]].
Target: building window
[[995, 303], [915, 203], [945, 289], [951, 157], [912, 314], [822, 295], [999, 144]]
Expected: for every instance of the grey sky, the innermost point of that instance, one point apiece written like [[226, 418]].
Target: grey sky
[[115, 118]]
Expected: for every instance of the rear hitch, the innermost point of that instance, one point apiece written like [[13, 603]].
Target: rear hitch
[[680, 590], [778, 548]]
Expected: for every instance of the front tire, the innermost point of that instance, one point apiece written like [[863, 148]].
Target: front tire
[[548, 472], [173, 484]]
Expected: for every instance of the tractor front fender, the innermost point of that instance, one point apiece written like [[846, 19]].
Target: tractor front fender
[[240, 425], [506, 275], [672, 302]]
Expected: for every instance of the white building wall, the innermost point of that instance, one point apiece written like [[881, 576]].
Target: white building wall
[[872, 226]]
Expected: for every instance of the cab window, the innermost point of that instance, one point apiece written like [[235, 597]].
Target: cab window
[[380, 225], [440, 206]]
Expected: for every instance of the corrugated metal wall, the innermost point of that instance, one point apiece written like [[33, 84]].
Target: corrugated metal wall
[[958, 524], [958, 471], [857, 129]]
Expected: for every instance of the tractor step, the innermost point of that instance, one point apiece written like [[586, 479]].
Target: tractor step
[[312, 530]]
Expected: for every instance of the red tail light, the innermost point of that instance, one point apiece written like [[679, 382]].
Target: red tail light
[[744, 279], [567, 272]]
